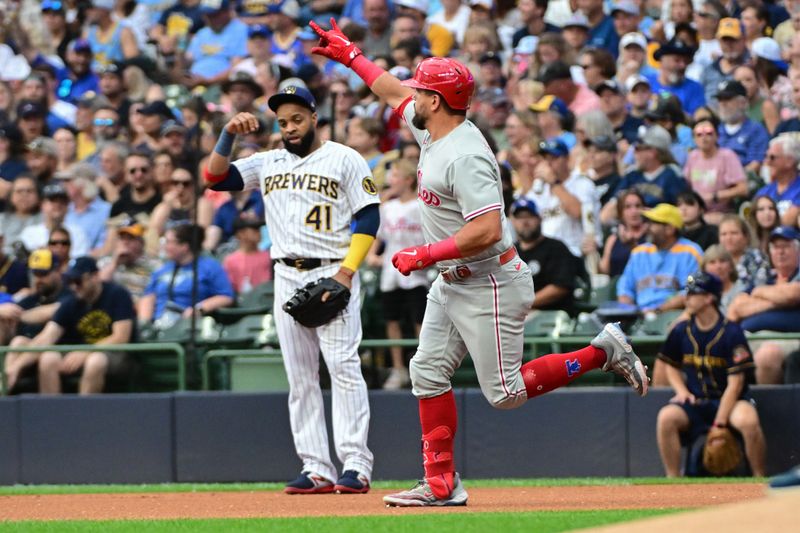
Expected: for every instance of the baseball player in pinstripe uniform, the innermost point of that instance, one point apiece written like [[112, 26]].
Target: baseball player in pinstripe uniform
[[484, 291], [312, 192]]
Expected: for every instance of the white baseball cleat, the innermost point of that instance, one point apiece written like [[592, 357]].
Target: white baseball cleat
[[422, 496], [620, 357]]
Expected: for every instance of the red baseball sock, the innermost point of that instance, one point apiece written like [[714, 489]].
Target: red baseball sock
[[549, 372], [439, 420]]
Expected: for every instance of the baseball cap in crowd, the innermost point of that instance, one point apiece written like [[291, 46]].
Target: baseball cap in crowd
[[527, 45], [704, 283], [42, 261], [633, 38], [769, 49], [52, 5], [655, 137], [103, 4], [635, 80], [554, 147], [290, 8], [608, 85], [577, 20], [292, 94], [80, 46], [55, 190], [11, 132], [259, 30], [491, 57], [665, 108], [675, 47], [159, 107], [664, 214], [43, 145], [419, 5], [557, 70], [784, 232], [91, 99], [729, 27], [730, 89], [29, 109], [132, 228], [524, 204], [494, 96], [484, 4], [80, 266], [240, 77], [625, 6], [172, 126], [604, 143], [210, 7], [549, 102], [254, 8], [114, 69]]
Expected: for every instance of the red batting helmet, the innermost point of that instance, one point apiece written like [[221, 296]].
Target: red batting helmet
[[446, 76]]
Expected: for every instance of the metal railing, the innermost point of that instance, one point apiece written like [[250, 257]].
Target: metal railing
[[150, 347]]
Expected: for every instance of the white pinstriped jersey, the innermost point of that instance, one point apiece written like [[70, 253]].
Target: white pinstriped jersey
[[458, 180], [309, 202]]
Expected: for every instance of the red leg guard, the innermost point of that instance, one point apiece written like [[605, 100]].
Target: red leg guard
[[549, 372], [439, 420]]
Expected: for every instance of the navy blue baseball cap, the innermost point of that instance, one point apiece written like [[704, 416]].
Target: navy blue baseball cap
[[554, 147], [292, 94], [524, 204], [784, 232], [704, 283], [209, 7], [258, 30], [80, 266]]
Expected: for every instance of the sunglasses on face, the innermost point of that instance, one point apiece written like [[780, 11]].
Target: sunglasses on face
[[59, 243], [104, 122], [181, 183]]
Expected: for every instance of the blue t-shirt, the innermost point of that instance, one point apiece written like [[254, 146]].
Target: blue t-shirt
[[11, 168], [227, 213], [212, 53], [213, 281], [707, 358], [749, 143], [605, 36], [652, 276], [689, 92], [793, 124], [784, 200], [89, 323], [664, 188], [70, 90]]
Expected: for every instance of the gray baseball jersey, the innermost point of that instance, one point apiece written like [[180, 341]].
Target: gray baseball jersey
[[458, 180]]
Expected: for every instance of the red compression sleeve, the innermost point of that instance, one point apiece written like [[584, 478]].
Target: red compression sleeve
[[444, 250], [213, 178], [366, 69]]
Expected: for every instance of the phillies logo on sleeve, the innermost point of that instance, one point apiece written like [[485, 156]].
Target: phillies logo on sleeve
[[428, 197]]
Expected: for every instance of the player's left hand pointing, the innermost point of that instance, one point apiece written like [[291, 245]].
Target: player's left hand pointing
[[410, 259], [242, 124]]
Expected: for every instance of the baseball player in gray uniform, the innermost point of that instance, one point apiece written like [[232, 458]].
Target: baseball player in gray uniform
[[312, 192], [479, 302]]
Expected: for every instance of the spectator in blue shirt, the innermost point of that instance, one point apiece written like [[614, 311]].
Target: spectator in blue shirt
[[169, 293], [747, 138], [783, 156], [77, 79], [215, 48], [734, 53], [675, 56], [601, 26], [532, 15], [658, 270]]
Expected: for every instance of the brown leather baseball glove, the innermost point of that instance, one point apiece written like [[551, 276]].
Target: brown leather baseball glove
[[722, 452]]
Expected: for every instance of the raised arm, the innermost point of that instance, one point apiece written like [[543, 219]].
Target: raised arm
[[219, 174], [335, 45]]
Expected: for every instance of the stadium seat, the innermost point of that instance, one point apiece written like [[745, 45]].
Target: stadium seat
[[259, 301], [252, 331], [547, 323], [658, 324]]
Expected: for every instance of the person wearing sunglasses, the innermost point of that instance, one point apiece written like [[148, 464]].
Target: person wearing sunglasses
[[105, 124], [99, 313], [59, 245], [715, 173]]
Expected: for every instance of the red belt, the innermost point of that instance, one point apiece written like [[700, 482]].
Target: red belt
[[463, 271]]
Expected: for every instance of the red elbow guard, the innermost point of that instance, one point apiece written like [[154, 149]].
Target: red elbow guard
[[213, 178]]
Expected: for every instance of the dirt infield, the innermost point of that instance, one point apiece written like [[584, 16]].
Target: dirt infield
[[174, 505]]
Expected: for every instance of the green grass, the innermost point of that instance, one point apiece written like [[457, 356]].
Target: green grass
[[246, 487], [545, 521]]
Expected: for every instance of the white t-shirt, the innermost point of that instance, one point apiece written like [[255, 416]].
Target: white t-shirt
[[457, 25], [401, 227]]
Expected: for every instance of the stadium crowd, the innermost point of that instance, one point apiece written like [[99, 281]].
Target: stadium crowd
[[640, 141]]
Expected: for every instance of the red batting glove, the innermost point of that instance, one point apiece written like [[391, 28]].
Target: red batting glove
[[415, 258], [334, 44]]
